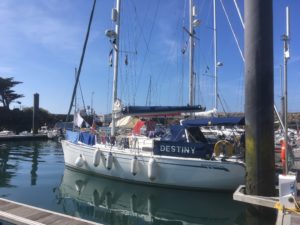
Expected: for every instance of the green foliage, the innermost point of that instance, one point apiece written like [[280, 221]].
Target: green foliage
[[7, 95], [17, 121]]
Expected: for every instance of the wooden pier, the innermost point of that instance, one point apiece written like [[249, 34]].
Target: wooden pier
[[20, 214]]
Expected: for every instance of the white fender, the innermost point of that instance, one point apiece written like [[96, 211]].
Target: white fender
[[133, 203], [108, 199], [79, 161], [96, 198], [134, 166], [79, 186], [152, 169], [150, 205], [109, 161], [97, 156]]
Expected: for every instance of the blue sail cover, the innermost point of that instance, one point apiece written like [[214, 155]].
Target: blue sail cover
[[213, 121], [152, 110]]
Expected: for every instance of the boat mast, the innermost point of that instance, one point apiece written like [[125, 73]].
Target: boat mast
[[191, 56], [81, 60], [286, 56], [215, 55], [116, 19]]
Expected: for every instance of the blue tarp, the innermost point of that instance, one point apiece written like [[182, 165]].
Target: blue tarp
[[226, 121], [87, 138], [72, 136]]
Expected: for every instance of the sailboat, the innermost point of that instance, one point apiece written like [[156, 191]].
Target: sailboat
[[184, 158]]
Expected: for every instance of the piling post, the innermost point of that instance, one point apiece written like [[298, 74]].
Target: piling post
[[259, 98], [35, 113]]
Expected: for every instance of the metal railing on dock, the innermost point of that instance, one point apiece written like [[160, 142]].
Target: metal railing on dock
[[21, 214]]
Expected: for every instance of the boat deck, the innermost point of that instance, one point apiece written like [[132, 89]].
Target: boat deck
[[13, 213]]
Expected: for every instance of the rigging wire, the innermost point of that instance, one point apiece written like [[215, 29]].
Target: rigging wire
[[129, 73], [239, 12], [234, 35], [132, 65], [82, 96], [221, 102], [226, 105], [147, 45], [173, 50], [140, 26], [149, 93]]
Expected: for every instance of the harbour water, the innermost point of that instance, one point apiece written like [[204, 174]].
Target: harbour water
[[34, 173]]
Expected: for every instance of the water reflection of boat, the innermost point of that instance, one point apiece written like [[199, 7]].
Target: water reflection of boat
[[109, 201]]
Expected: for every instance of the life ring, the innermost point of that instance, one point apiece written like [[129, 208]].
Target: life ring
[[224, 147]]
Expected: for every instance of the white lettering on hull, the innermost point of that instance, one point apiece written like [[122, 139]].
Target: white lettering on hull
[[178, 149]]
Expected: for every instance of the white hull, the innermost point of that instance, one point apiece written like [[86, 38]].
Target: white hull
[[177, 172]]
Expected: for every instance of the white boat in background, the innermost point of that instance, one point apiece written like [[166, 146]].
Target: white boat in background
[[51, 133], [185, 159], [6, 133]]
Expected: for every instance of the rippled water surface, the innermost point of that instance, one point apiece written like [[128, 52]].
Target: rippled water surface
[[34, 173]]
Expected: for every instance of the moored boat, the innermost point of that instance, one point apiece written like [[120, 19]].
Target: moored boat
[[186, 159], [183, 159]]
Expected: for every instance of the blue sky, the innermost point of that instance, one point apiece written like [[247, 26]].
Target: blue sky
[[41, 43]]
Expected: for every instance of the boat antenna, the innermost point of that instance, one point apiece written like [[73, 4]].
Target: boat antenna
[[286, 57], [81, 60]]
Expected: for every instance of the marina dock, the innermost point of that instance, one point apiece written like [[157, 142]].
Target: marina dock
[[288, 217], [20, 214], [284, 216]]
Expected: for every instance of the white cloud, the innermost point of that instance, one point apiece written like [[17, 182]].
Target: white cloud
[[37, 22]]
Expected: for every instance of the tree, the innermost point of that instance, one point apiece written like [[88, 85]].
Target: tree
[[7, 95]]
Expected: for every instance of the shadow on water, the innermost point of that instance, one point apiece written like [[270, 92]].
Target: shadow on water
[[115, 202]]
